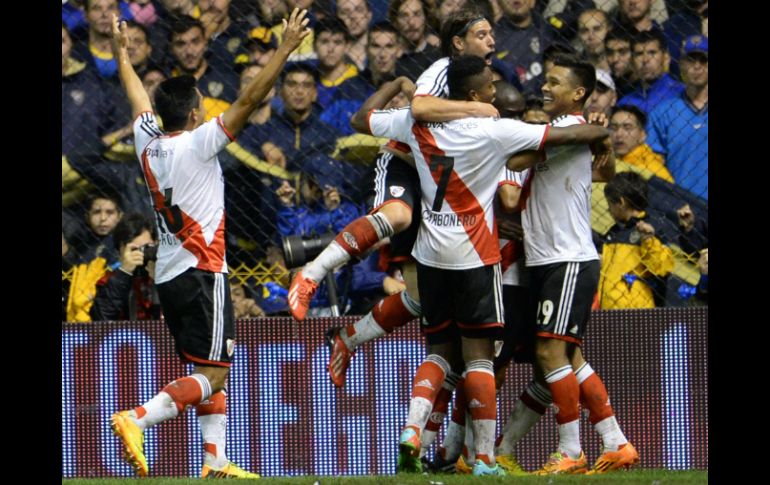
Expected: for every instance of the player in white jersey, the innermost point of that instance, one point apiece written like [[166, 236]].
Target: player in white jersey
[[457, 249], [468, 32], [564, 270], [187, 188]]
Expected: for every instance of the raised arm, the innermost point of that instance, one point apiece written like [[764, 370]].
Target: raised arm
[[137, 96], [431, 108], [294, 30], [378, 100]]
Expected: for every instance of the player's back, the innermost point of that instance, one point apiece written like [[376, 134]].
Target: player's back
[[187, 187]]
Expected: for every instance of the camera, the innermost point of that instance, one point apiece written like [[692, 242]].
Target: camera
[[150, 252], [298, 251]]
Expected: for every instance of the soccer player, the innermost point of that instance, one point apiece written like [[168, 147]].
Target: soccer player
[[457, 250], [396, 191], [183, 174], [564, 272]]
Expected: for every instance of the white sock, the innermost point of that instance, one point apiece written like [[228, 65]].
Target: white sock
[[214, 431], [453, 441], [332, 256], [158, 409], [484, 438], [366, 328], [522, 419], [469, 439], [419, 411], [612, 436], [569, 438]]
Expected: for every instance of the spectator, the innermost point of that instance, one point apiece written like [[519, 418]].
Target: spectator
[[693, 231], [103, 214], [216, 80], [604, 97], [128, 291], [356, 15], [634, 16], [651, 61], [139, 48], [678, 127], [627, 127], [224, 35], [691, 20], [617, 48], [420, 45], [635, 259], [297, 133], [592, 27], [521, 36], [244, 305], [143, 12], [96, 48], [334, 73], [259, 47]]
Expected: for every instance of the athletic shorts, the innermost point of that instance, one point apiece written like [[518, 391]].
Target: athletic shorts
[[395, 181], [199, 313], [517, 338], [460, 303], [563, 294]]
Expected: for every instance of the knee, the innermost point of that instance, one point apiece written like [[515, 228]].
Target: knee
[[399, 216], [217, 377]]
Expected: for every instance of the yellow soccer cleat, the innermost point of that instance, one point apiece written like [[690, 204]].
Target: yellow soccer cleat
[[561, 464], [625, 457], [231, 470], [461, 467], [132, 438], [510, 465]]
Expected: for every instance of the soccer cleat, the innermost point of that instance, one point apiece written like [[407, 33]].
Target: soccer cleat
[[409, 451], [481, 468], [441, 465], [561, 464], [339, 357], [461, 467], [625, 457], [132, 438], [231, 470], [510, 465], [301, 291]]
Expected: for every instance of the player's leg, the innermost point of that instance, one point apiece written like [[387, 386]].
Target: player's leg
[[479, 309], [564, 292], [392, 213], [392, 312], [617, 452]]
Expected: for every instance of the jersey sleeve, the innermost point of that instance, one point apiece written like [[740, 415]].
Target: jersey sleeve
[[433, 81], [392, 123], [513, 136], [145, 129], [210, 138]]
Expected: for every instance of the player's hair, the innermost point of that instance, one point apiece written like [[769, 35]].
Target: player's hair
[[649, 36], [582, 72], [641, 118], [130, 227], [460, 74], [106, 194], [383, 26], [506, 97], [136, 25], [175, 98], [458, 24], [630, 186], [617, 34]]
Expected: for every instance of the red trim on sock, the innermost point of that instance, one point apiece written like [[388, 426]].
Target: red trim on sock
[[184, 392], [210, 448], [357, 237], [566, 394], [593, 395], [434, 374], [140, 412], [480, 390], [458, 410], [440, 407]]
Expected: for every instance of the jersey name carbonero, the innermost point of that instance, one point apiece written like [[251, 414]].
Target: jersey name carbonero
[[443, 219]]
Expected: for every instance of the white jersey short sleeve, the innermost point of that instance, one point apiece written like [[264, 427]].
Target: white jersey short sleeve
[[433, 82], [187, 189], [557, 208], [392, 123]]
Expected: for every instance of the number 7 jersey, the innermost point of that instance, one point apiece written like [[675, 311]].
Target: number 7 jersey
[[187, 188], [459, 163]]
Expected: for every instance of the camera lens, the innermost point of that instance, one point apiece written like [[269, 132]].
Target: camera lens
[[298, 251]]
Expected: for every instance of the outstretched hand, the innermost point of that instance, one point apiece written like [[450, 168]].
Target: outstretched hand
[[295, 29], [119, 35], [598, 118]]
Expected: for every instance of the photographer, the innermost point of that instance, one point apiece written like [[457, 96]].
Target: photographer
[[128, 292]]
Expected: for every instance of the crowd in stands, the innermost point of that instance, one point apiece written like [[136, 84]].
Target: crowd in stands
[[298, 168]]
